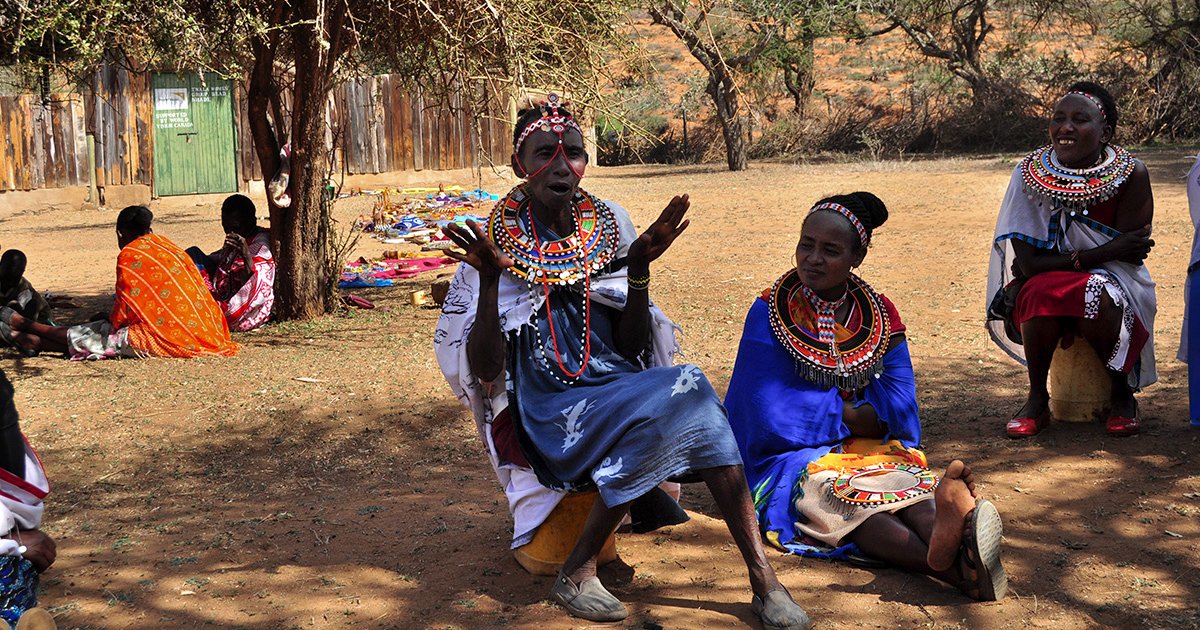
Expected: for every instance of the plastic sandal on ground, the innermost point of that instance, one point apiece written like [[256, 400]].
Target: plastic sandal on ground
[[778, 611], [1120, 426], [589, 600], [1026, 426], [982, 546]]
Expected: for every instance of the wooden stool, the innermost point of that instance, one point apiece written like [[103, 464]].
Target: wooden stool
[[1080, 389], [556, 537]]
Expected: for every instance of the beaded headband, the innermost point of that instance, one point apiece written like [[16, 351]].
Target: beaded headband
[[1095, 101], [551, 120], [863, 236]]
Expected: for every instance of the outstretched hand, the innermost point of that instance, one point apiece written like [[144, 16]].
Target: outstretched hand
[[481, 252], [659, 236]]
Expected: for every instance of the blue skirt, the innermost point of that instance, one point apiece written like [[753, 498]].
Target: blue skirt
[[618, 427]]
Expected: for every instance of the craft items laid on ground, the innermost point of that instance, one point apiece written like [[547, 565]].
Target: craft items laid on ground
[[413, 216], [417, 215]]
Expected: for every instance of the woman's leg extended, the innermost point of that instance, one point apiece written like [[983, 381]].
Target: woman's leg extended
[[772, 603], [601, 522], [728, 486], [1103, 334], [1040, 336]]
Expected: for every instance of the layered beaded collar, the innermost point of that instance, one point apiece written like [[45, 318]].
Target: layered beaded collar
[[1076, 189], [567, 260], [849, 364]]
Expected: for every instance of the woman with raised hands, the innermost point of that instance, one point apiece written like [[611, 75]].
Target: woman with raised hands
[[548, 332]]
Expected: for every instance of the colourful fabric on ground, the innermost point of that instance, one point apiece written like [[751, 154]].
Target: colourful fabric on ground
[[165, 304], [249, 304], [99, 340], [784, 423]]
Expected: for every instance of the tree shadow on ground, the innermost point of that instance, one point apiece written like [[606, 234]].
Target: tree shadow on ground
[[1076, 502]]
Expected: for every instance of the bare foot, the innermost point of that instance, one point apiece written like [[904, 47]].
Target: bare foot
[[954, 500]]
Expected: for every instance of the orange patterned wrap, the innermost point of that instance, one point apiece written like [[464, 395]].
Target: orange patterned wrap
[[164, 303]]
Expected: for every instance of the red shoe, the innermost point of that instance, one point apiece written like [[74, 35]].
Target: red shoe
[[1120, 426], [1027, 426]]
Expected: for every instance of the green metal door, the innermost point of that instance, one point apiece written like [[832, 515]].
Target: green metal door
[[194, 145]]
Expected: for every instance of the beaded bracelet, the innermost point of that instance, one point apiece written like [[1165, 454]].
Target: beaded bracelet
[[639, 284], [1075, 260]]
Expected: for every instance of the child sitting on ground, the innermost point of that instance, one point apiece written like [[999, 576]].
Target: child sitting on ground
[[16, 292]]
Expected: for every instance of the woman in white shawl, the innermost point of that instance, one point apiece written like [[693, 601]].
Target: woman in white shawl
[[548, 332], [1067, 259]]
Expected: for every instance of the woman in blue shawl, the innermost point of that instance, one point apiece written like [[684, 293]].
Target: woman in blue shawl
[[823, 403], [552, 311]]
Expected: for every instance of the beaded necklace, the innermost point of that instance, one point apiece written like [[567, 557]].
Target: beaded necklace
[[587, 307], [1076, 189], [564, 263], [825, 317], [849, 364]]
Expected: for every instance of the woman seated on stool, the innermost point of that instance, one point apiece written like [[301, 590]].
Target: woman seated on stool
[[1067, 257], [824, 406], [551, 316]]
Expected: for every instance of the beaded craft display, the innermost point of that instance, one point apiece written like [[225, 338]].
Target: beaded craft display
[[848, 365], [880, 484], [568, 260], [1077, 189]]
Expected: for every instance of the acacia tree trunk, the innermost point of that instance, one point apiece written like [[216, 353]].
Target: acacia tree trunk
[[725, 98], [799, 76], [299, 232]]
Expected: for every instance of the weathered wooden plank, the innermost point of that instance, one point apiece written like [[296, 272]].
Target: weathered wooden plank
[[381, 99], [7, 172], [391, 121], [78, 117], [404, 136], [433, 132], [465, 146], [112, 172], [474, 141], [57, 175], [358, 116], [26, 177], [127, 139], [143, 123], [418, 130], [382, 145]]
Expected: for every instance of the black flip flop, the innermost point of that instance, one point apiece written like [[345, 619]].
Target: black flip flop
[[982, 544]]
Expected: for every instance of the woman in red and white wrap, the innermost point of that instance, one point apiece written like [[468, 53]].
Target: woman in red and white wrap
[[25, 552], [1067, 259]]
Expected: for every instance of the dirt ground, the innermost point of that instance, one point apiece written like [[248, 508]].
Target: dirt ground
[[225, 493]]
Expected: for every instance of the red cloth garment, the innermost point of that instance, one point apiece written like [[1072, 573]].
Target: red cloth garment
[[163, 301], [249, 304], [1073, 294]]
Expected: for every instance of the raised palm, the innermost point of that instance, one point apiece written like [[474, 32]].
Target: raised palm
[[480, 252], [658, 237]]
